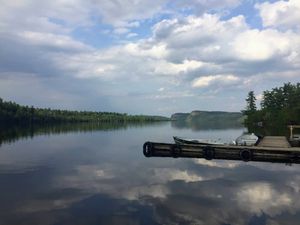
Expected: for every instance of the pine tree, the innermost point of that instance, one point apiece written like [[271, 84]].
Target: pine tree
[[251, 103]]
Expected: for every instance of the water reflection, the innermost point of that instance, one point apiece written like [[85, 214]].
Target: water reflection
[[197, 125], [13, 132], [102, 177]]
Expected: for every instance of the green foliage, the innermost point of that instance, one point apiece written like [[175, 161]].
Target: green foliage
[[279, 107], [251, 104], [250, 111], [12, 113], [282, 104]]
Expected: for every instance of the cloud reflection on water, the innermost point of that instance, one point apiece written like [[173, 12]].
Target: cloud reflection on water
[[91, 180]]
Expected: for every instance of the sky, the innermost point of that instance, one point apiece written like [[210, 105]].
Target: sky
[[146, 57]]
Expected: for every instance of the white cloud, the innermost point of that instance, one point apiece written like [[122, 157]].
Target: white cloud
[[131, 35], [225, 41], [284, 14], [66, 15], [166, 174], [218, 164], [60, 42], [24, 15], [198, 32], [171, 95], [121, 30], [224, 79], [262, 45], [155, 191], [200, 50], [122, 12], [168, 68], [146, 49], [262, 197], [200, 6], [92, 171]]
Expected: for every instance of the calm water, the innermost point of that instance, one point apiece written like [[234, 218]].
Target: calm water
[[89, 175]]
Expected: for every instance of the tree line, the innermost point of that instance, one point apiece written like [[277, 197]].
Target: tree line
[[13, 113], [279, 107]]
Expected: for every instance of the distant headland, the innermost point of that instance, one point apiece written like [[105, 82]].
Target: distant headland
[[208, 119]]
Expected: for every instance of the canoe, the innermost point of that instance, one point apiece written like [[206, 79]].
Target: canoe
[[186, 141], [243, 140]]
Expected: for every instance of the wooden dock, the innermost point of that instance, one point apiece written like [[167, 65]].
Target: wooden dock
[[274, 142], [270, 149]]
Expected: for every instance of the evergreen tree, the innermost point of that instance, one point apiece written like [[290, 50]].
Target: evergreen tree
[[12, 113], [250, 110], [251, 103], [279, 107]]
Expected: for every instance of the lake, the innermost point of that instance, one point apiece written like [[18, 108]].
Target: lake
[[88, 174]]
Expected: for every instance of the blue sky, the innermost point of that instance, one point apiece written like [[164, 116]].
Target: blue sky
[[146, 57]]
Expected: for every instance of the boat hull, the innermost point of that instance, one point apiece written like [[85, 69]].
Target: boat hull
[[184, 141]]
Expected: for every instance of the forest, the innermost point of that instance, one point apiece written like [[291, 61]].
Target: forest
[[279, 107], [13, 113]]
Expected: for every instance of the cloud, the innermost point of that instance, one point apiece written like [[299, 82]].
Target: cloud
[[131, 35], [262, 197], [154, 191], [145, 49], [166, 175], [125, 12], [188, 32], [66, 15], [219, 164], [52, 41], [282, 14], [47, 14], [206, 81], [168, 68], [225, 41], [121, 30], [201, 6], [263, 45], [146, 45]]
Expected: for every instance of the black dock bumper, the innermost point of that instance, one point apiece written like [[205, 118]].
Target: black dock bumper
[[225, 152]]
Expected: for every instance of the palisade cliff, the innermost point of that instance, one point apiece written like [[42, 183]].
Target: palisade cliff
[[209, 118]]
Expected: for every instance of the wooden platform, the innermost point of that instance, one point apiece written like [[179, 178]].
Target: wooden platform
[[266, 152], [274, 142]]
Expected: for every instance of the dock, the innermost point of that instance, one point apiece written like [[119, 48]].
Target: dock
[[270, 149], [274, 142]]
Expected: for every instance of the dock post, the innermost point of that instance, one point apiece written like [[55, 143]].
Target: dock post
[[291, 132]]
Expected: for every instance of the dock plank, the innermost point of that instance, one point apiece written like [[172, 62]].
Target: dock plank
[[274, 142]]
